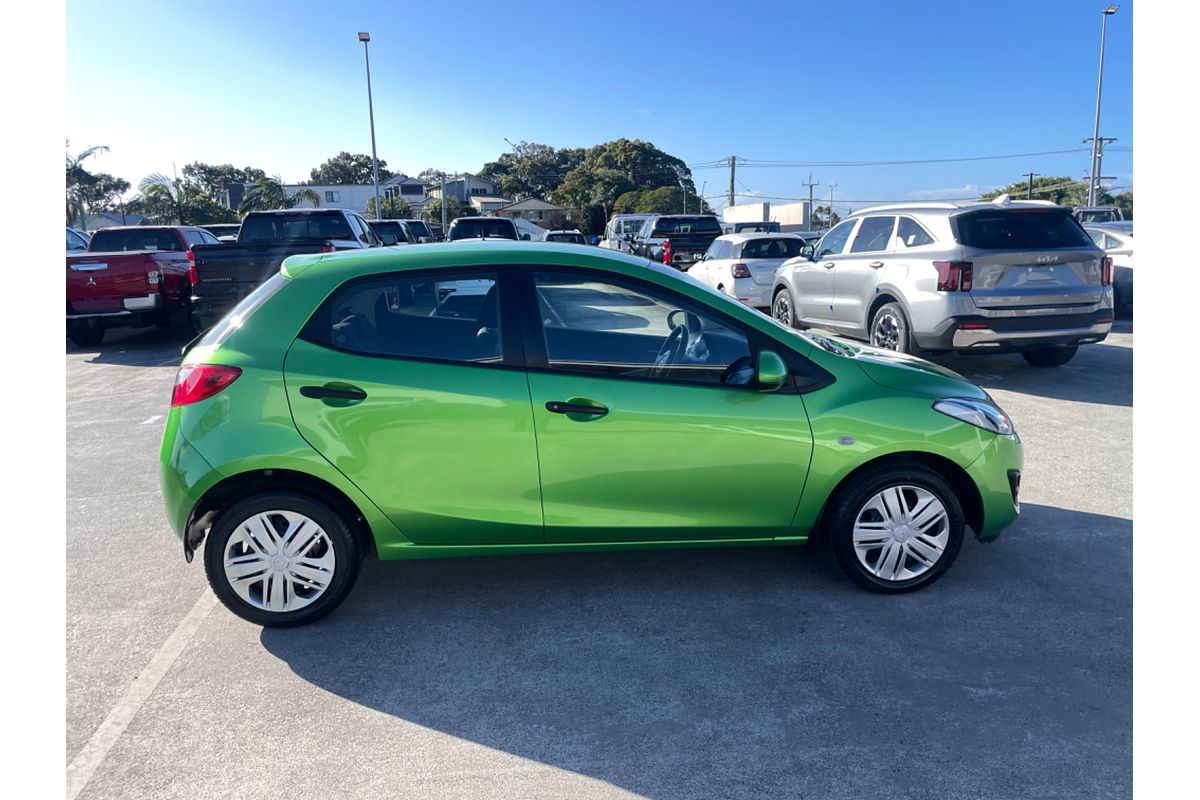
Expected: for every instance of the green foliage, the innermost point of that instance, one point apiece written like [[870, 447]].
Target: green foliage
[[393, 208], [268, 194], [432, 177], [345, 168], [210, 181], [531, 169], [1124, 201], [1060, 189], [822, 217], [454, 210], [81, 184]]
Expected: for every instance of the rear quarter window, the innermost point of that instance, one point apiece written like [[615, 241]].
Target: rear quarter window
[[1019, 230]]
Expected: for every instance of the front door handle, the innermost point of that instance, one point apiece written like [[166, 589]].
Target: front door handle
[[829, 264], [333, 392], [557, 407], [875, 264]]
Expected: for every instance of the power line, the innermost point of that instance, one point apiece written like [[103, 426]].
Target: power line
[[766, 163]]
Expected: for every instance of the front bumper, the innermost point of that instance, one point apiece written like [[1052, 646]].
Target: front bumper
[[997, 476], [978, 333]]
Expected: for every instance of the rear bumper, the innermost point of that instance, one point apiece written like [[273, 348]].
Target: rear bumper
[[130, 308], [745, 290], [989, 334]]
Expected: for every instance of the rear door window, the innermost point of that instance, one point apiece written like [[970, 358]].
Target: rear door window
[[1019, 229], [450, 316], [874, 235]]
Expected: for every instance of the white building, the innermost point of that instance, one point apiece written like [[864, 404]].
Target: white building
[[790, 216], [355, 196], [464, 186]]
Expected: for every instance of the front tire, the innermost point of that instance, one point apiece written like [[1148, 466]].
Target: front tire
[[280, 559], [1050, 356], [897, 528]]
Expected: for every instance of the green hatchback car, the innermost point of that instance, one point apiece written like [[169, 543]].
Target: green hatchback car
[[484, 397]]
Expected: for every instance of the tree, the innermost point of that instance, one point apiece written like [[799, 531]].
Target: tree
[[432, 177], [822, 217], [344, 169], [454, 210], [79, 181], [663, 200], [163, 200], [211, 180], [1060, 189], [531, 169], [1124, 201], [393, 208], [268, 194]]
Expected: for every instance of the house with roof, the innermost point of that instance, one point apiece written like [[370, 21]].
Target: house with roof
[[535, 210], [464, 186]]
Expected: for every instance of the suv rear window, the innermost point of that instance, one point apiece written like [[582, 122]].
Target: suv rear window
[[285, 227], [772, 248], [668, 225], [114, 241], [1019, 229], [569, 238], [418, 228], [476, 228]]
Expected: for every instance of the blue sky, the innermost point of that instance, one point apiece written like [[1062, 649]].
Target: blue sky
[[281, 86]]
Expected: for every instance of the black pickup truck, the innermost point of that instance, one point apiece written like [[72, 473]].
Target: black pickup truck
[[678, 240], [223, 274]]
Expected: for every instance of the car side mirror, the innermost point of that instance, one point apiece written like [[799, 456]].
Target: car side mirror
[[770, 372], [809, 252]]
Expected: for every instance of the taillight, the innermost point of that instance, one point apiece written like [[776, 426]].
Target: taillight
[[193, 275], [1106, 271], [667, 252], [740, 271], [326, 248], [953, 276], [195, 382]]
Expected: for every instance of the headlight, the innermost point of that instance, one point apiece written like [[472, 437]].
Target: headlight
[[979, 413]]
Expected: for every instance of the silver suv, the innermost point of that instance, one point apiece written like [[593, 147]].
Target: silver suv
[[935, 277]]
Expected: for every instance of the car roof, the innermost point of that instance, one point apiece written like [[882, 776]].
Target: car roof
[[951, 208], [750, 236]]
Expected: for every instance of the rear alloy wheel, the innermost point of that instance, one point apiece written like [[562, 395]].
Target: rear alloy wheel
[[280, 559], [781, 308], [890, 331], [897, 529], [1050, 356]]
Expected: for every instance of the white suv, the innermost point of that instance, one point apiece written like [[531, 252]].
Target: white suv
[[932, 277], [742, 265]]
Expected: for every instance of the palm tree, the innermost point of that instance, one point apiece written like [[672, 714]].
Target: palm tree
[[77, 178], [268, 193], [165, 200]]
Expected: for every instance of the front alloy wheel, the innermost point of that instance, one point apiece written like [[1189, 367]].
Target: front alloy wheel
[[781, 308], [896, 528], [280, 559]]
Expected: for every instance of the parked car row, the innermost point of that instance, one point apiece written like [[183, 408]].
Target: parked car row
[[923, 278]]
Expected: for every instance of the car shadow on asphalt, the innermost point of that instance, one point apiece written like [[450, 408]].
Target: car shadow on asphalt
[[760, 672], [1099, 373], [135, 347]]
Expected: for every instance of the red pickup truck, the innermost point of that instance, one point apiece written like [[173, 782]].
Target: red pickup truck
[[131, 276]]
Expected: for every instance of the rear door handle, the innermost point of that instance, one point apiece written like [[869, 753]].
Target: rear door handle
[[829, 264], [333, 392], [556, 407], [875, 264]]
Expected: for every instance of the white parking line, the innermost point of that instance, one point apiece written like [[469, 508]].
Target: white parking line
[[84, 765], [155, 418]]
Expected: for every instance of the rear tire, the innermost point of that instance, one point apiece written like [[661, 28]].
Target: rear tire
[[257, 571], [896, 528], [1050, 356], [782, 309], [890, 330], [85, 335]]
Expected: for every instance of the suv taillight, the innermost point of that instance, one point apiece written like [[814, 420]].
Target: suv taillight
[[326, 248], [740, 271], [193, 275], [666, 250], [953, 276], [1106, 271], [196, 382]]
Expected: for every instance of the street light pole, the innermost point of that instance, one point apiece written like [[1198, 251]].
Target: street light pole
[[365, 38], [1104, 15], [829, 217]]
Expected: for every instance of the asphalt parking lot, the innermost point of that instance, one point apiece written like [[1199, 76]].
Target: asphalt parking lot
[[722, 673]]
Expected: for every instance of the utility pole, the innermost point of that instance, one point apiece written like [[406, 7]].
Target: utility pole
[[1096, 146], [683, 189], [1094, 182], [445, 222], [831, 188], [1031, 175], [810, 184], [732, 172]]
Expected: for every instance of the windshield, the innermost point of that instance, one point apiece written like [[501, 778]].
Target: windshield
[[388, 226], [286, 227], [112, 241], [629, 227], [477, 228], [1021, 229], [669, 225]]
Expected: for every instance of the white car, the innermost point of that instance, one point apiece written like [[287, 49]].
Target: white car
[[1117, 240], [742, 265], [620, 229]]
